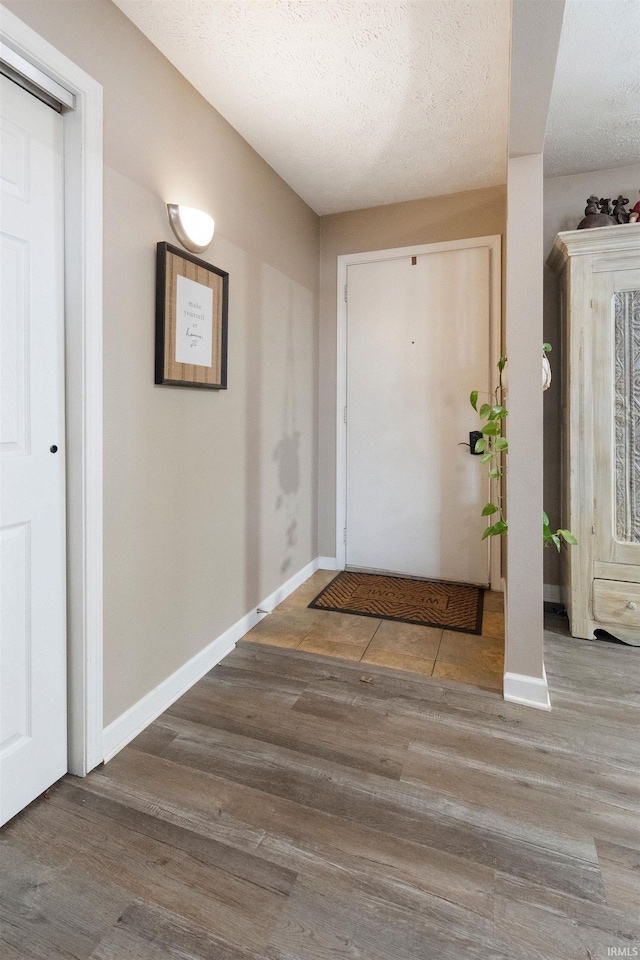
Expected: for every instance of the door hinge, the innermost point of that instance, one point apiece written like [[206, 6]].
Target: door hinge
[[592, 304], [344, 535], [345, 414], [345, 293]]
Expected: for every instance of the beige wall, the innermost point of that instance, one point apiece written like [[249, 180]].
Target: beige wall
[[473, 214], [210, 497], [564, 202]]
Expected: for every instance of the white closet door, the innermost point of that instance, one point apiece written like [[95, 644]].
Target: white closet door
[[418, 339], [33, 740]]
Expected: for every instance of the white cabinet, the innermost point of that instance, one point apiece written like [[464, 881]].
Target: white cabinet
[[599, 274]]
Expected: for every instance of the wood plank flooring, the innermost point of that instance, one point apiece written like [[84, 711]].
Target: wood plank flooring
[[284, 809]]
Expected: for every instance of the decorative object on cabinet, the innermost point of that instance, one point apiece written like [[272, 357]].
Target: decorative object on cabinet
[[192, 299], [599, 274], [605, 212], [592, 205], [619, 214], [546, 371], [597, 214]]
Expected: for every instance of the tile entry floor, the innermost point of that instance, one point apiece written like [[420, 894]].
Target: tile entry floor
[[430, 651]]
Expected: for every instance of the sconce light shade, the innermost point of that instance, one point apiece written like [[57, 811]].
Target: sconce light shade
[[193, 228]]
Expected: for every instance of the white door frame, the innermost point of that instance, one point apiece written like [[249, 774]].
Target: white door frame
[[83, 386], [493, 244]]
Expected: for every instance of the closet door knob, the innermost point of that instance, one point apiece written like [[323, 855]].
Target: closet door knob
[[632, 606]]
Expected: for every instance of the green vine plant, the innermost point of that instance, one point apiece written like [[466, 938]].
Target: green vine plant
[[492, 446]]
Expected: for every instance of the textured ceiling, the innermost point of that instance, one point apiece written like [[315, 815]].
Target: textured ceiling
[[594, 122], [353, 102]]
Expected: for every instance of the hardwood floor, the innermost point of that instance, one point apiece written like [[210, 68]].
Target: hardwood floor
[[285, 809]]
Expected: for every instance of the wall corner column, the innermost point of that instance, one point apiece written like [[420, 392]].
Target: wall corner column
[[536, 27], [525, 678]]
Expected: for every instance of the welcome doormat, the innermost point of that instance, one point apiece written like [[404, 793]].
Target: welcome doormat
[[429, 603]]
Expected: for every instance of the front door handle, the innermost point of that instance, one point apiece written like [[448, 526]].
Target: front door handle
[[474, 436]]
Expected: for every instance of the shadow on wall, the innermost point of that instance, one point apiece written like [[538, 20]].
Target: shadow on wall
[[271, 492], [253, 437], [287, 451]]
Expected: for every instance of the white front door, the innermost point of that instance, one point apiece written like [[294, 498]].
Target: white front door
[[418, 342], [33, 737]]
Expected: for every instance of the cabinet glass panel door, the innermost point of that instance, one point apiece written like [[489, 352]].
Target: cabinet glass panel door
[[626, 307], [615, 381]]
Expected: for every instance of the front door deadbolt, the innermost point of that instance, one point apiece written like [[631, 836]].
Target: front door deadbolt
[[474, 436]]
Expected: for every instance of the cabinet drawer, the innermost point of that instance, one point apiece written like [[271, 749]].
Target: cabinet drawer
[[616, 601]]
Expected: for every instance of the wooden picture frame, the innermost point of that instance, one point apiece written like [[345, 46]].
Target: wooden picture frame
[[192, 305]]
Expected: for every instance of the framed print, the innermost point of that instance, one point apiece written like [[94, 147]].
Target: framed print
[[192, 303]]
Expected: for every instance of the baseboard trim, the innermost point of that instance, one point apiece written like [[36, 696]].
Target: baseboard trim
[[127, 726], [529, 691], [272, 601], [327, 563], [552, 593]]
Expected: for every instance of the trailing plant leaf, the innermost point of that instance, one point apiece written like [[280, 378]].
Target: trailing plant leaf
[[568, 536], [496, 530], [497, 413], [491, 429], [493, 443], [548, 536]]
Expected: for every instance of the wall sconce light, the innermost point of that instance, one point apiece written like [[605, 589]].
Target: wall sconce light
[[193, 228]]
